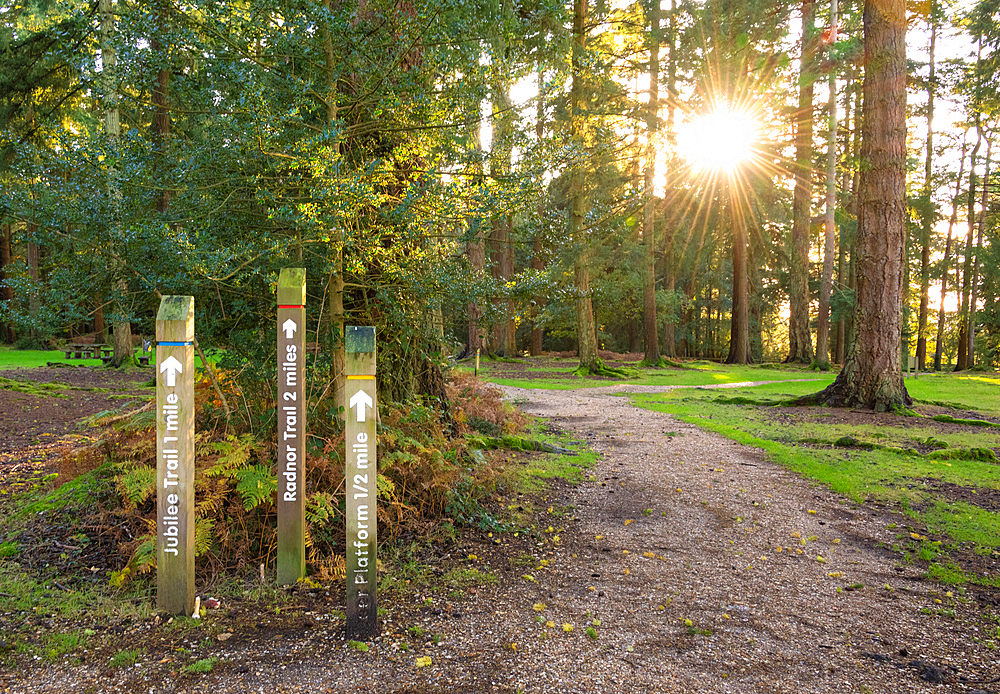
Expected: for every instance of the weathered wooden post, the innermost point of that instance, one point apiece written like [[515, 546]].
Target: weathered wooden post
[[360, 475], [291, 425], [175, 455]]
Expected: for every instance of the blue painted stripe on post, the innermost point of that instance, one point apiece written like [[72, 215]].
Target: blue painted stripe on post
[[175, 344]]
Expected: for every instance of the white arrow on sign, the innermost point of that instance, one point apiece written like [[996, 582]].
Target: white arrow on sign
[[172, 367], [359, 400], [289, 327]]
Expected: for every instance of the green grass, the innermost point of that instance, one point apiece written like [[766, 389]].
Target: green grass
[[693, 374], [534, 476], [11, 358], [890, 470], [977, 392], [468, 578], [202, 666], [124, 659]]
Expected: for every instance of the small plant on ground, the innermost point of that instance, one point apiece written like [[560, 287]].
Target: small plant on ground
[[202, 666], [124, 658]]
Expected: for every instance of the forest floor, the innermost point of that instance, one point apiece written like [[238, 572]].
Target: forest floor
[[684, 563]]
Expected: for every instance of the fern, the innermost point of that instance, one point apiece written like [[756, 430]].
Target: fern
[[320, 508], [203, 528], [137, 485], [255, 485], [233, 453], [386, 488], [143, 561]]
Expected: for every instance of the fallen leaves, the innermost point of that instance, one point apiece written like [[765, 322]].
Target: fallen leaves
[[423, 661]]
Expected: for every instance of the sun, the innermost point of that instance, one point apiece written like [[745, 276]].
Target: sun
[[719, 141]]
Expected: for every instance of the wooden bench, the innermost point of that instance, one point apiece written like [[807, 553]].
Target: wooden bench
[[142, 359]]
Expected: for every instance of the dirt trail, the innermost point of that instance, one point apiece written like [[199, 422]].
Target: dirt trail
[[670, 556]]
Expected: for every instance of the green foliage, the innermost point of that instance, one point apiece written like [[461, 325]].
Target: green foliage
[[201, 667], [255, 485], [137, 485], [123, 659], [143, 560], [233, 452]]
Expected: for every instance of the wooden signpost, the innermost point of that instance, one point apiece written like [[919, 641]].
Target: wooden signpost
[[291, 426], [360, 481], [175, 455]]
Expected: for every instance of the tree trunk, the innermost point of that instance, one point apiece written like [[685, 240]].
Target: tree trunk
[[34, 294], [100, 328], [502, 256], [669, 330], [855, 209], [537, 334], [871, 376], [928, 211], [850, 209], [586, 330], [335, 279], [6, 292], [160, 93], [504, 333], [962, 359], [651, 333], [939, 343], [829, 223], [983, 207], [122, 328], [800, 341], [739, 331], [475, 251]]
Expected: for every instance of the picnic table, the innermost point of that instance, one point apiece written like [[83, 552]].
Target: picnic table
[[78, 350]]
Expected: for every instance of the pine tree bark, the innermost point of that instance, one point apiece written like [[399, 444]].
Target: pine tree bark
[[739, 329], [475, 251], [650, 331], [537, 334], [871, 376], [122, 353], [6, 292], [829, 222], [952, 220], [586, 330], [928, 212], [800, 348], [970, 328], [502, 249], [670, 271], [335, 283], [962, 358]]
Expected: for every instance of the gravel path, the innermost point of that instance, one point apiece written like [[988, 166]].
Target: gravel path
[[697, 565]]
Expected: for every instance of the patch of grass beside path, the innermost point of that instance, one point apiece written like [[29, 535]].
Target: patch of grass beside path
[[888, 459], [11, 358], [558, 375]]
